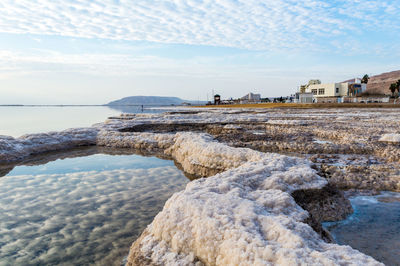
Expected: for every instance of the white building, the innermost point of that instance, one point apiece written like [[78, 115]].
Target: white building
[[251, 98], [347, 88], [303, 98]]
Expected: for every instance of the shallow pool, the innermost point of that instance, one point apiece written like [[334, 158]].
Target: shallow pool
[[373, 228], [81, 210]]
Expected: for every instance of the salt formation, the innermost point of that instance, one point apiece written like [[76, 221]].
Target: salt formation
[[141, 141], [13, 149], [198, 153], [243, 216], [394, 138], [286, 122]]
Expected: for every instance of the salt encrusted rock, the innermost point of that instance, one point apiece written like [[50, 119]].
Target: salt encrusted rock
[[200, 153], [243, 216], [13, 149], [140, 141], [393, 138], [326, 204]]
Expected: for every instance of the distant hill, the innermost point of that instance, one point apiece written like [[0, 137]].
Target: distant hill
[[379, 84], [151, 100]]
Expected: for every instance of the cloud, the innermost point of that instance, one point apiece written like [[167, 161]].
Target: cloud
[[253, 25], [19, 63]]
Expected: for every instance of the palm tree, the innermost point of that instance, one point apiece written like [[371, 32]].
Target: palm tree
[[365, 79], [398, 86], [393, 87]]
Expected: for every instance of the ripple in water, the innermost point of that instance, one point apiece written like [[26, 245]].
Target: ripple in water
[[374, 228], [81, 211]]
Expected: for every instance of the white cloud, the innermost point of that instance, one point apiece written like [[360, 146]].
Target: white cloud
[[251, 24]]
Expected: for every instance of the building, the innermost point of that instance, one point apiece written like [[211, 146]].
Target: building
[[328, 90], [250, 98], [303, 97], [355, 86], [333, 92], [217, 99]]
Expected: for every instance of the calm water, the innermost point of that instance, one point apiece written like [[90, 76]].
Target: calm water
[[80, 210], [374, 228], [19, 120]]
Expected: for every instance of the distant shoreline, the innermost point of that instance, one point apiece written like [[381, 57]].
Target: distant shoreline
[[304, 106], [46, 105], [78, 105]]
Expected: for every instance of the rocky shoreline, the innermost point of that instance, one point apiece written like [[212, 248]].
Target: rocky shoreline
[[238, 151]]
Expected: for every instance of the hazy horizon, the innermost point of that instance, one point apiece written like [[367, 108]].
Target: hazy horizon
[[93, 53]]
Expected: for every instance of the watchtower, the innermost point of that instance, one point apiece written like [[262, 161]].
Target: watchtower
[[217, 99]]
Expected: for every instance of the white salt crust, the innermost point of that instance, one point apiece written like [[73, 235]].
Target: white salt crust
[[243, 216], [394, 138], [12, 149]]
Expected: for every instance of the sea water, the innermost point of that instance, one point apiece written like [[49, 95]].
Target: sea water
[[373, 228], [19, 120], [71, 209]]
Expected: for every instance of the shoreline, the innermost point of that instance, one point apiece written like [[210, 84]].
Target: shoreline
[[303, 106], [220, 146]]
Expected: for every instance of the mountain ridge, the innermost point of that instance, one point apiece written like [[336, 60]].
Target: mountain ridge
[[379, 84], [151, 100]]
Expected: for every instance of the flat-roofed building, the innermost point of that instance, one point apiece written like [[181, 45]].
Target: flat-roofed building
[[351, 87], [328, 89]]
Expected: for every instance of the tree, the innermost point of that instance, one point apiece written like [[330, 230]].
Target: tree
[[365, 79], [398, 86], [393, 88]]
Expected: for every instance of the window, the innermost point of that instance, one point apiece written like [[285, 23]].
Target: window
[[321, 91], [314, 91], [337, 90]]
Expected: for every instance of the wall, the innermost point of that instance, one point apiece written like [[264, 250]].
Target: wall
[[329, 89], [343, 88]]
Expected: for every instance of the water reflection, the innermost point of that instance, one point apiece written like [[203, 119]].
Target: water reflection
[[374, 228], [81, 210]]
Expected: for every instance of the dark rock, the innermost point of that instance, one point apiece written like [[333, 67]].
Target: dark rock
[[323, 205]]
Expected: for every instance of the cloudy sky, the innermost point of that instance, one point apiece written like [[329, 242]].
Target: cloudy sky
[[92, 52]]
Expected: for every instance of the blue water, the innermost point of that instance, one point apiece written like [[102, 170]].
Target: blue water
[[81, 210], [96, 162], [19, 120], [373, 228]]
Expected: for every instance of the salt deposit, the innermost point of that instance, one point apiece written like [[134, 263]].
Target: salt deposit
[[13, 149], [394, 138], [243, 216], [145, 141]]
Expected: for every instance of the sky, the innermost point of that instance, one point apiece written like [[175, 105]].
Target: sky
[[93, 52]]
